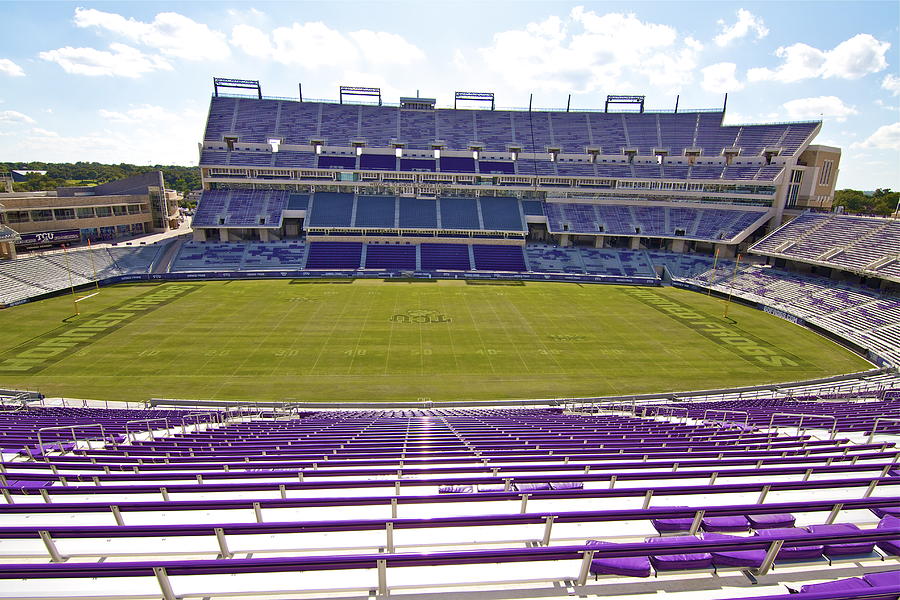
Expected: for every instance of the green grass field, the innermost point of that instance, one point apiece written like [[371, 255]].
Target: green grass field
[[371, 340]]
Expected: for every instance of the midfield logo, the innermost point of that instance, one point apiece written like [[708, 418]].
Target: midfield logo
[[421, 315]]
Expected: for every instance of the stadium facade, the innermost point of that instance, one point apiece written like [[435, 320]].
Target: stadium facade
[[73, 215], [276, 169]]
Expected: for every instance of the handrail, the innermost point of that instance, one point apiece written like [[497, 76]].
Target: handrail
[[726, 412], [70, 427], [671, 410], [133, 438], [875, 426], [800, 424], [210, 419]]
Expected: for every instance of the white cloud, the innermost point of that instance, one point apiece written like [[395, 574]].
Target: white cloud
[[144, 113], [120, 61], [14, 116], [693, 44], [587, 51], [43, 132], [315, 45], [886, 137], [380, 47], [141, 134], [828, 107], [851, 59], [720, 78], [171, 33], [10, 68], [891, 83], [746, 23]]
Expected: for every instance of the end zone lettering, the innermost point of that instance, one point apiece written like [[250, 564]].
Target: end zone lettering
[[53, 346], [740, 342]]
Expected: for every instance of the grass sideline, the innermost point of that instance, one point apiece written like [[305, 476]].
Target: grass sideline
[[373, 340]]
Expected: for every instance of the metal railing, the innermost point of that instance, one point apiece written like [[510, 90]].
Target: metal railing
[[875, 426], [72, 428], [799, 426], [132, 436]]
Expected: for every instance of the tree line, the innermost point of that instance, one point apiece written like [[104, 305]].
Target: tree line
[[882, 202], [178, 178]]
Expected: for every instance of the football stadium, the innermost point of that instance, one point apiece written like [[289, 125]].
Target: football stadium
[[460, 352]]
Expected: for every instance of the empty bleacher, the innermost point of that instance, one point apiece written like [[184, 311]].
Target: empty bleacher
[[649, 220], [31, 276], [253, 120], [659, 496], [391, 257], [445, 257], [498, 258], [334, 255], [240, 208], [860, 244]]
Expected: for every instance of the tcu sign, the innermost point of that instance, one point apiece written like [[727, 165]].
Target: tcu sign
[[49, 238]]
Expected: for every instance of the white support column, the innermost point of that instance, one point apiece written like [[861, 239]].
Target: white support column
[[164, 584], [52, 550], [382, 577], [548, 528]]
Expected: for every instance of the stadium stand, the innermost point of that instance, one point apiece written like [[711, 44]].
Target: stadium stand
[[583, 494], [857, 244], [36, 276]]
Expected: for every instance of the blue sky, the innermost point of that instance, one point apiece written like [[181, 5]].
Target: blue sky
[[130, 81]]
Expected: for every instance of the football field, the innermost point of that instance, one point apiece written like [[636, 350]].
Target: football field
[[375, 340]]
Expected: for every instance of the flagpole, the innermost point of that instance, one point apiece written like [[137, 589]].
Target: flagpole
[[731, 287]]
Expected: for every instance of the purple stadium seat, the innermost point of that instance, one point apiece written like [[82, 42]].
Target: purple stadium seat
[[893, 511], [839, 549], [633, 566], [566, 485], [793, 552], [494, 487], [532, 487], [851, 583], [768, 521], [455, 489], [891, 546], [673, 562], [672, 525], [26, 484], [883, 578], [735, 558], [735, 523]]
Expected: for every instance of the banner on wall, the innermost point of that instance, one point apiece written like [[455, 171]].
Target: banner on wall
[[45, 239]]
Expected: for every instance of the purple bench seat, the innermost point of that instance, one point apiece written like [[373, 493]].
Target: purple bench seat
[[668, 525], [735, 523], [632, 566], [851, 583], [842, 549], [567, 485], [495, 487], [889, 546], [735, 558], [893, 511], [673, 562], [793, 552], [455, 489], [532, 487], [768, 521], [883, 578]]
